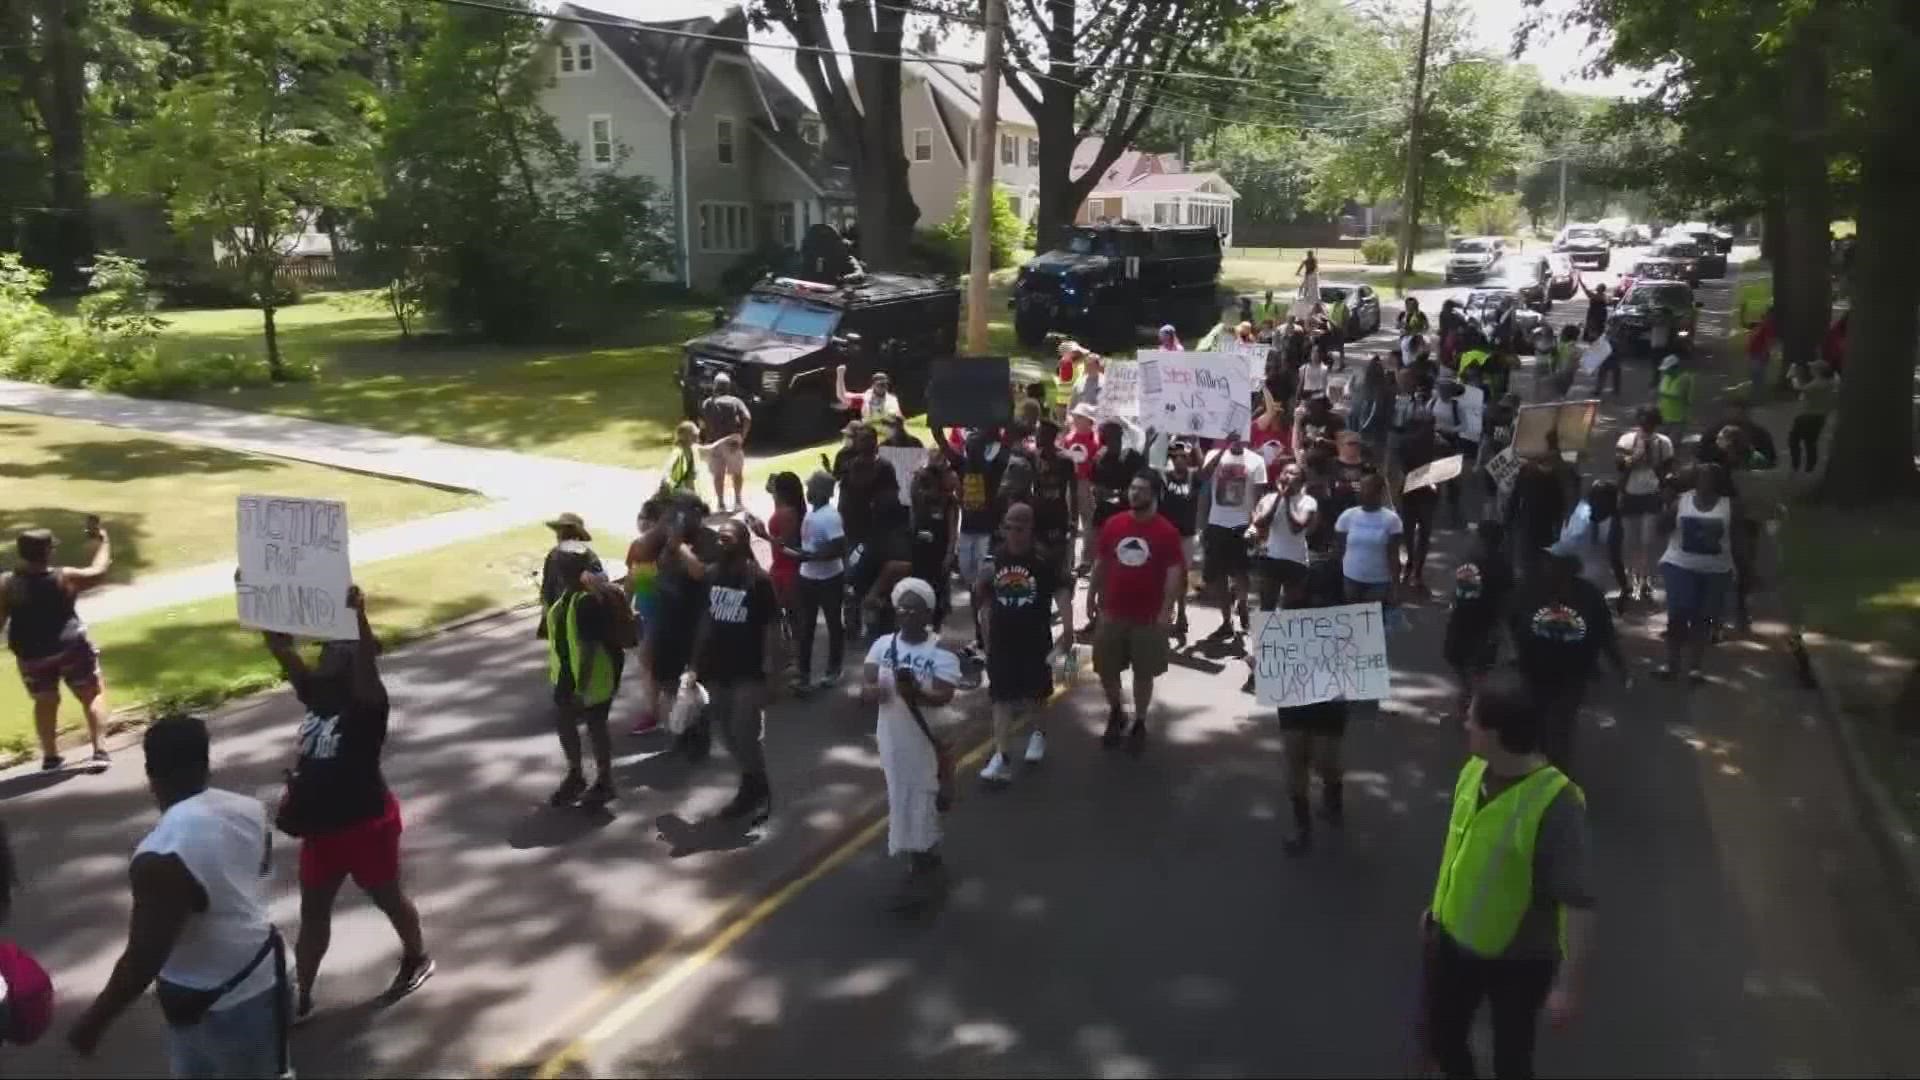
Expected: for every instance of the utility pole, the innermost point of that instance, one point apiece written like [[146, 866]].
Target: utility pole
[[1407, 209], [1563, 189], [980, 260]]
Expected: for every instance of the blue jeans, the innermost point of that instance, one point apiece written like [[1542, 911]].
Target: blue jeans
[[244, 1041]]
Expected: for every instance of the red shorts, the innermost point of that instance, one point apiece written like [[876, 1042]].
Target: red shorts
[[368, 851], [77, 665]]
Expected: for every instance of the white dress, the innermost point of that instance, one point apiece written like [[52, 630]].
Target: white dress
[[906, 757]]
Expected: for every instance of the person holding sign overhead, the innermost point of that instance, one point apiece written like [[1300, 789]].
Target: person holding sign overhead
[[48, 640]]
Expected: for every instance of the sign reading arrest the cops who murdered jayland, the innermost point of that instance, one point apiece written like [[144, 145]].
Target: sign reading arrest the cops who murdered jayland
[[294, 571], [1309, 655]]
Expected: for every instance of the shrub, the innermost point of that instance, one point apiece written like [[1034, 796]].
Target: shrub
[[931, 251], [1378, 250], [1005, 233], [743, 275]]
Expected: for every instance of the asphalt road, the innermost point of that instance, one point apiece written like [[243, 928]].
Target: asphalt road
[[1109, 915], [1117, 917]]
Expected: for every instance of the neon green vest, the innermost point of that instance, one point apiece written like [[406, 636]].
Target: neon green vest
[[1471, 359], [1676, 396], [600, 689], [1486, 872], [1338, 315]]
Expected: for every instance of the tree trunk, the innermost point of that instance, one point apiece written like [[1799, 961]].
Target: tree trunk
[[885, 201], [1809, 206], [65, 120], [1873, 436]]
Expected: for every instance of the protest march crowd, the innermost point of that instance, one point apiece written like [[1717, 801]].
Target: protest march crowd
[[1303, 484]]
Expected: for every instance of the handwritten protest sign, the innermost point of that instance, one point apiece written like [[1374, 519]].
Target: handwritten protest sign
[[1318, 654], [1573, 420], [294, 569], [1434, 473], [905, 461], [1193, 393], [1120, 391], [1256, 357], [1503, 467]]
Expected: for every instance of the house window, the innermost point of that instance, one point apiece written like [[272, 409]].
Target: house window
[[600, 140], [1009, 150], [1033, 153], [1166, 213], [923, 144], [783, 222], [1013, 203], [723, 140], [576, 57], [811, 134], [726, 227]]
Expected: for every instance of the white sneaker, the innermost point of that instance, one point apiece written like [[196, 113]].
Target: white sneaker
[[997, 770], [1036, 748]]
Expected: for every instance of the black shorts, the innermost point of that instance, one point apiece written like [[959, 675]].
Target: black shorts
[[1225, 552], [1632, 505], [1018, 674], [1274, 575], [1322, 718]]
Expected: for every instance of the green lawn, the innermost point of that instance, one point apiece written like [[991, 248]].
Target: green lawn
[[1854, 573], [1258, 273], [167, 504], [613, 403], [199, 653]]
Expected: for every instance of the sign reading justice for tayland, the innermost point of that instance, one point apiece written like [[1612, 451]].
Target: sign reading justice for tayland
[[1309, 655], [294, 571]]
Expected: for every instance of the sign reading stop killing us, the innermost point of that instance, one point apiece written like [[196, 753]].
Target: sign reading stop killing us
[[294, 571], [1310, 655]]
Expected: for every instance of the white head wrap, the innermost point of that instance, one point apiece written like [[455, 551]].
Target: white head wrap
[[915, 586]]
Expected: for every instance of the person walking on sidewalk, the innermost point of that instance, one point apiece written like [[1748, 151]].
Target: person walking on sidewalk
[[584, 661], [338, 803], [736, 656], [200, 923], [907, 675], [49, 641], [1138, 573], [1511, 921], [823, 582], [725, 422], [1022, 588]]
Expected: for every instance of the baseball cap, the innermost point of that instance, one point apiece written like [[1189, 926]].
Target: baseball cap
[[1672, 361]]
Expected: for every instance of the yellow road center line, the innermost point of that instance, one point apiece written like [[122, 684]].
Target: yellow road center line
[[658, 987]]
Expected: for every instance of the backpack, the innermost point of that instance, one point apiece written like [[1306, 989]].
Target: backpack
[[623, 627], [29, 1004]]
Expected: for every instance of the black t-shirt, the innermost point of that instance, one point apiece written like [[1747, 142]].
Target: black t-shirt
[[1539, 504], [1559, 631], [857, 477], [1313, 430], [1180, 502], [979, 487], [1022, 609], [1480, 592], [1113, 471], [1283, 381], [1052, 497], [932, 518], [740, 606], [337, 781]]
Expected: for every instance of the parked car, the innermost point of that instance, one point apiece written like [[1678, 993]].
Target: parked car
[[1473, 257], [1632, 317], [1528, 275], [1563, 280], [1363, 306], [1587, 245], [1503, 315], [1636, 236], [1104, 283], [1685, 253], [1713, 261], [781, 343], [1654, 268]]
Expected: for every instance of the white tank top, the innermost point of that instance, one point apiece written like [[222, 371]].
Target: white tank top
[[222, 839], [1702, 540]]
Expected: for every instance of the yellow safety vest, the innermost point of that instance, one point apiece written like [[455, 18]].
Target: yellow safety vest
[[1486, 872], [599, 690]]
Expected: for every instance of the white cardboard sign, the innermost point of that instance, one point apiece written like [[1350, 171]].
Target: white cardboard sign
[[294, 568], [1120, 391], [1503, 467], [1195, 394], [1434, 473], [1256, 356], [1318, 654]]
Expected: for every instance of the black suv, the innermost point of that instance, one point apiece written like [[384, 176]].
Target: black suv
[[1103, 283], [784, 339]]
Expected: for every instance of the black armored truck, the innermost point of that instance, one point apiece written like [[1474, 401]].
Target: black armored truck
[[1108, 286], [782, 342]]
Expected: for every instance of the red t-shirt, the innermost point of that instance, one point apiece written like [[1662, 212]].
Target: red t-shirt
[[1138, 555], [1089, 443], [1271, 443]]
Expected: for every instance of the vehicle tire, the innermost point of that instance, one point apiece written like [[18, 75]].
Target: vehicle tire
[[805, 418]]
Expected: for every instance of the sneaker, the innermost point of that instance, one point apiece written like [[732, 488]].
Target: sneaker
[[1179, 629], [997, 772], [827, 681], [569, 791], [302, 1009], [1664, 671], [1036, 748], [52, 762], [1116, 729], [597, 796], [414, 971], [646, 725], [1225, 633], [749, 800], [1697, 676], [1137, 738], [1248, 687]]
